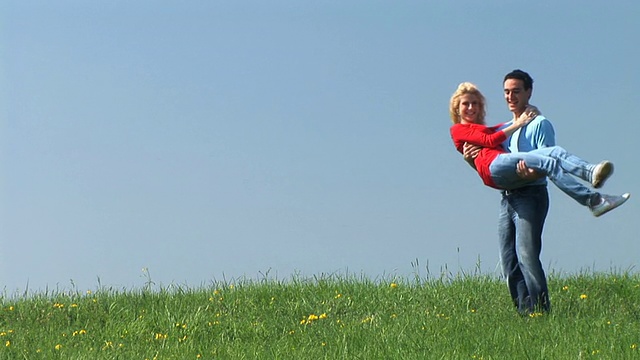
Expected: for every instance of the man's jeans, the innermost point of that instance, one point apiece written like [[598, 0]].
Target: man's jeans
[[522, 215], [554, 162]]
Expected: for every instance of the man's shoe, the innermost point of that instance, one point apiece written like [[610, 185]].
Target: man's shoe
[[608, 203], [601, 173]]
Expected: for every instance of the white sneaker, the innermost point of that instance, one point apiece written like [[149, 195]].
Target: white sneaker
[[608, 203], [601, 173]]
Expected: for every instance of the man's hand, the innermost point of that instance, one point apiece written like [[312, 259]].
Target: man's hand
[[527, 173], [470, 152]]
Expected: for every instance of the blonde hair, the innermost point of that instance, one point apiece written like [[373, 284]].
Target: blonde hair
[[454, 105]]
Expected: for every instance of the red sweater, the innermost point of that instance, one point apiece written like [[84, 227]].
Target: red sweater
[[490, 138]]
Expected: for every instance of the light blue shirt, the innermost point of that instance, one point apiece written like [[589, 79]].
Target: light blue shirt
[[537, 134]]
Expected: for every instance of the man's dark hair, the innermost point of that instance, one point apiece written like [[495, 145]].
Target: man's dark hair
[[520, 75]]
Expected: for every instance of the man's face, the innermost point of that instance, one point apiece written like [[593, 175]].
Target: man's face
[[516, 96]]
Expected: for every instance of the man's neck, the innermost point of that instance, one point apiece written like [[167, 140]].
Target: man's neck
[[516, 114]]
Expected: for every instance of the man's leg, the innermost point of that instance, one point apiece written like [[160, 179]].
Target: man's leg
[[508, 255], [531, 207]]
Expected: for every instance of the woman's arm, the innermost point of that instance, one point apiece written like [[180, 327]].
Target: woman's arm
[[476, 136], [529, 114]]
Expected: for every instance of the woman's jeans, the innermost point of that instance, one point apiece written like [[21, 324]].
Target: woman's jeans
[[522, 215], [554, 162]]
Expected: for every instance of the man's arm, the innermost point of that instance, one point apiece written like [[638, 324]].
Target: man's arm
[[544, 136]]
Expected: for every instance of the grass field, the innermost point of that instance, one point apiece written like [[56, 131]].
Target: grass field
[[594, 316]]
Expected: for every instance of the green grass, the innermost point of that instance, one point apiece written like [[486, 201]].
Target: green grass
[[329, 317]]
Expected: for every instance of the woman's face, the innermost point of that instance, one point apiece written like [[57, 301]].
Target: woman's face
[[469, 108]]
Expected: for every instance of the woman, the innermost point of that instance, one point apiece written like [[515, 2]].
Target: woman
[[497, 167]]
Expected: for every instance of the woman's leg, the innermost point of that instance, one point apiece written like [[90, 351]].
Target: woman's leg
[[558, 170], [567, 162], [503, 171]]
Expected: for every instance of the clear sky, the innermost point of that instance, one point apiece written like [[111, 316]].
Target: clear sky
[[210, 140]]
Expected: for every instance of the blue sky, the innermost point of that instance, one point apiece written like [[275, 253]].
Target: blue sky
[[227, 139]]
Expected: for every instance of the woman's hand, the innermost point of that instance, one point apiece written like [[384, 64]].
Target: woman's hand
[[530, 113]]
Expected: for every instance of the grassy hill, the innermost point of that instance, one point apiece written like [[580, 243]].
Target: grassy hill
[[327, 317]]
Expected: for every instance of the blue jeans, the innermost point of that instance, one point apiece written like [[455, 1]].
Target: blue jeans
[[554, 162], [522, 215]]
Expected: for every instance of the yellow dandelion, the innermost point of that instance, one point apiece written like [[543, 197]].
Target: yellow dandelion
[[565, 288], [313, 317], [338, 296], [634, 346], [322, 316], [583, 296], [11, 308], [58, 347], [8, 343], [393, 285]]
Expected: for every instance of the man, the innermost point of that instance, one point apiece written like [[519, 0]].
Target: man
[[523, 211]]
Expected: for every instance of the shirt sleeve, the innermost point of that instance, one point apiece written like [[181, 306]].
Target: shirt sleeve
[[461, 134], [545, 135]]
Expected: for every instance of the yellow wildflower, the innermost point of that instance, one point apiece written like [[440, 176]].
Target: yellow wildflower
[[583, 296]]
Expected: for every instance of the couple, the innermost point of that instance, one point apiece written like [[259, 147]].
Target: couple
[[521, 174]]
